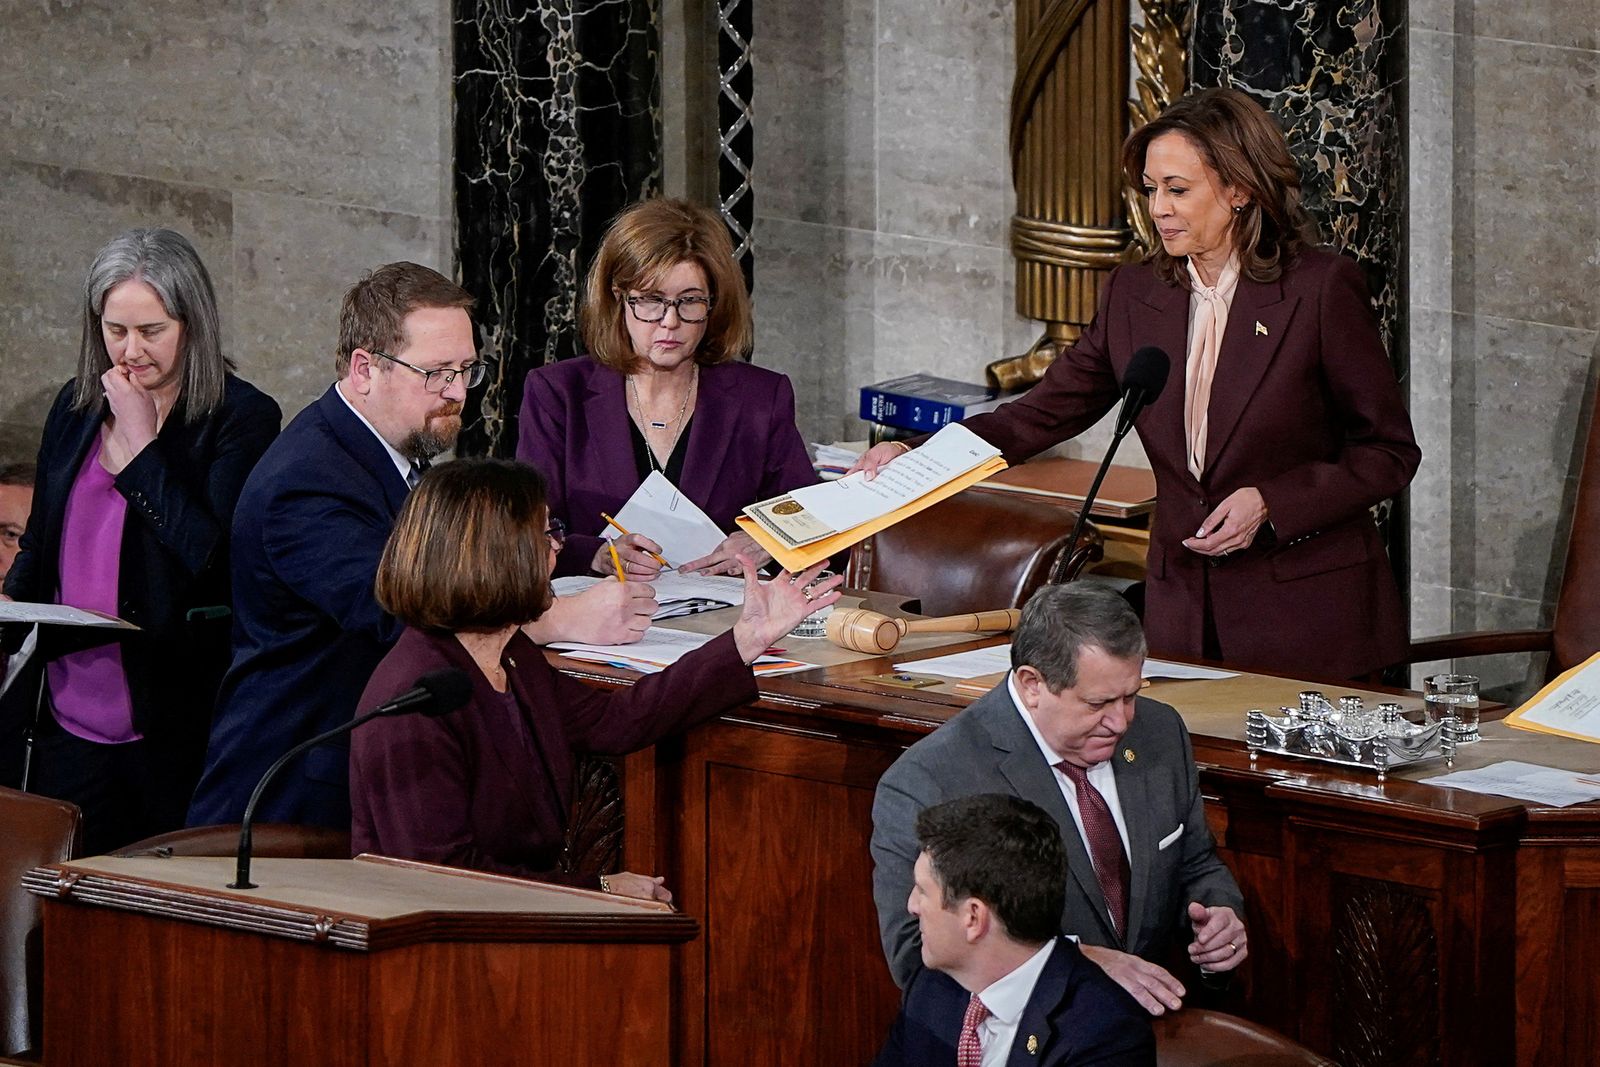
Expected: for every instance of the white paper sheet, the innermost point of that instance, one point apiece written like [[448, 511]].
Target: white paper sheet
[[1525, 781], [962, 664], [852, 501], [1570, 705], [659, 511], [659, 646], [58, 615], [678, 594], [1160, 668]]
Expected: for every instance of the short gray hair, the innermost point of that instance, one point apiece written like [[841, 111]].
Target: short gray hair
[[1059, 621], [166, 262]]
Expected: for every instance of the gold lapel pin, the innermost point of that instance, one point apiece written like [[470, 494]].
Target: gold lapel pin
[[1261, 331], [1033, 1045], [1127, 755]]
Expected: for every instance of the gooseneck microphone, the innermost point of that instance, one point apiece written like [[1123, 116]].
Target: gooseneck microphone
[[1142, 382], [436, 693]]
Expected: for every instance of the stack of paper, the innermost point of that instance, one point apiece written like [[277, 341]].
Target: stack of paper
[[807, 526], [833, 460], [1567, 707], [660, 648], [677, 594]]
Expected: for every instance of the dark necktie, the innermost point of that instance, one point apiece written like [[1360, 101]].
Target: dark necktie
[[1105, 845], [419, 467], [969, 1051]]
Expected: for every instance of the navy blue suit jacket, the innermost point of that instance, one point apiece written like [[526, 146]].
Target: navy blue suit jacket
[[1077, 1017], [308, 632]]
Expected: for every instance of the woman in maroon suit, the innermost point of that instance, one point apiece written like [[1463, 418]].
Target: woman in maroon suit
[[1288, 425], [489, 786], [664, 388]]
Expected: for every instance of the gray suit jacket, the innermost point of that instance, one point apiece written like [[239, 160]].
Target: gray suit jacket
[[988, 749]]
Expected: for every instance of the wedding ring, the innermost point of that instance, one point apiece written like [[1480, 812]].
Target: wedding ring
[[805, 591], [1232, 948]]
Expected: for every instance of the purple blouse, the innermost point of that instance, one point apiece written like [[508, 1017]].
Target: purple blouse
[[89, 688]]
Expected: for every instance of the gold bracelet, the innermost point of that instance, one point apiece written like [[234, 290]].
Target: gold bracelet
[[605, 885]]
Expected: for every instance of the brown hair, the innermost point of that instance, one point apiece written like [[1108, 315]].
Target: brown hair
[[1245, 149], [468, 551], [642, 244], [373, 314]]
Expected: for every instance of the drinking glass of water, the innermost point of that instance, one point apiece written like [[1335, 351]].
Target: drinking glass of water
[[1454, 694]]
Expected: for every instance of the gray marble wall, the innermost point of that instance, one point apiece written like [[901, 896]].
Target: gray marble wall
[[883, 198], [295, 143], [1505, 307]]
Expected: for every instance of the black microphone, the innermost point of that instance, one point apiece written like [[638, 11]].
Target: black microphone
[[1142, 382], [436, 693]]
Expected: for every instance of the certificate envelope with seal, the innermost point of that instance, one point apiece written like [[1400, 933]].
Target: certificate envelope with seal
[[810, 524]]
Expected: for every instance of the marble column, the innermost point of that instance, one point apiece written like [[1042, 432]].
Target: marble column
[[557, 128]]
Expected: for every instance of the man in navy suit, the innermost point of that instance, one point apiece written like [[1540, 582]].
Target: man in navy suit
[[309, 530], [1000, 985]]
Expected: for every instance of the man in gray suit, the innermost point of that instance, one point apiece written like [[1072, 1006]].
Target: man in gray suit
[[1069, 732]]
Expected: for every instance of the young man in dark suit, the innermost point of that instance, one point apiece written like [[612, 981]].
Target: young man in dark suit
[[310, 528], [1000, 985], [1115, 770]]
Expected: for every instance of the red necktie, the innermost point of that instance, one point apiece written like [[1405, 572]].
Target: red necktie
[[969, 1053], [1105, 845]]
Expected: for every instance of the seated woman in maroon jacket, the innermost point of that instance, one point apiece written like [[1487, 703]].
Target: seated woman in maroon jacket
[[489, 785], [663, 388]]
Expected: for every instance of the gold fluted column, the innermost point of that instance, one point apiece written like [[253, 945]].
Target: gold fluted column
[[1069, 115]]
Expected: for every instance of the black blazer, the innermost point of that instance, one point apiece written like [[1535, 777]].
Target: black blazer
[[173, 582], [1076, 1017]]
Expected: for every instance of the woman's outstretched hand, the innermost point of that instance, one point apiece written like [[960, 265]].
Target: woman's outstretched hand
[[776, 607]]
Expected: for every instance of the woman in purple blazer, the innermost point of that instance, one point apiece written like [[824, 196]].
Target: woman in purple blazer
[[664, 388], [1283, 423], [489, 786]]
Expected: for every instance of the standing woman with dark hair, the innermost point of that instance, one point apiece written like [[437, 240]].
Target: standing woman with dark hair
[[142, 460], [1287, 427], [663, 388]]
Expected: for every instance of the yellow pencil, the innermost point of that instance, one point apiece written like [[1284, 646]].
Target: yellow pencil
[[624, 530], [615, 562]]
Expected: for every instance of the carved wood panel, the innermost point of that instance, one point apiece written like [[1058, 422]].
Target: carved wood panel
[[1385, 987]]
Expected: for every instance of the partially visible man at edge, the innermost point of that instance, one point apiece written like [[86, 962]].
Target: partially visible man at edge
[[310, 529]]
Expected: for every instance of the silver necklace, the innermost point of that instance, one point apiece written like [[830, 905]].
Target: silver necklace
[[654, 424]]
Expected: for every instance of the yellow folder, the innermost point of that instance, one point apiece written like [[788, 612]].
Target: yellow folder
[[798, 559]]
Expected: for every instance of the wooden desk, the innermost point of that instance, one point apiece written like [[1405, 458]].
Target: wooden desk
[[1390, 924]]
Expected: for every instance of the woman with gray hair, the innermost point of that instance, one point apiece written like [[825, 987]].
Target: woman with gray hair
[[143, 457]]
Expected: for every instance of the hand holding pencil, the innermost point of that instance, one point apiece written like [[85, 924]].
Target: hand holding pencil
[[632, 557]]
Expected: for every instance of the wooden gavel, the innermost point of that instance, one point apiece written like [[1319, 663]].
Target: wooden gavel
[[861, 630]]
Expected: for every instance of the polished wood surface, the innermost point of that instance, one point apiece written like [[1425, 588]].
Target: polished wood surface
[[347, 963], [1392, 923]]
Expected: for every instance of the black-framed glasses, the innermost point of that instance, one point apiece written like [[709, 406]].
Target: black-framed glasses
[[437, 381], [557, 533], [654, 308]]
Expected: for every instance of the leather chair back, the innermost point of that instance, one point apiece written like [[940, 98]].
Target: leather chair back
[[1195, 1037], [33, 830], [1576, 628], [976, 551], [278, 840]]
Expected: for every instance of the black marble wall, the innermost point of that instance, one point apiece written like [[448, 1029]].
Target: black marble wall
[[1333, 72], [557, 128]]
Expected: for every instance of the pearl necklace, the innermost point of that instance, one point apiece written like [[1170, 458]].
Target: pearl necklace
[[655, 424]]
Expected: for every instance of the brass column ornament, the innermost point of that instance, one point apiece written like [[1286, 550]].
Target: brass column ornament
[[1069, 115]]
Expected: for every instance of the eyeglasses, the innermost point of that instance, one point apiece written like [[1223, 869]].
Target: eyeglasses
[[557, 534], [437, 381], [654, 308]]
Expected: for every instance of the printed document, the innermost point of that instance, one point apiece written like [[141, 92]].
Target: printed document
[[659, 510], [1524, 781], [1567, 707]]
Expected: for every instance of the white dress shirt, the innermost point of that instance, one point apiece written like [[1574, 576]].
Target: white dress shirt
[[401, 463], [1006, 1000]]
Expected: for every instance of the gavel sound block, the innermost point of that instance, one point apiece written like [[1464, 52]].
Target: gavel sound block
[[867, 631]]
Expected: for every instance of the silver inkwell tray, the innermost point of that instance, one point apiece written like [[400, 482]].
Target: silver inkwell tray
[[1352, 735]]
